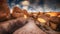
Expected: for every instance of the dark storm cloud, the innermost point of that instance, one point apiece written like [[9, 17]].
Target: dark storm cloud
[[31, 1], [41, 2], [51, 4]]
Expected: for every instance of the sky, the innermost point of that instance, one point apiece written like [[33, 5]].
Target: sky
[[38, 5]]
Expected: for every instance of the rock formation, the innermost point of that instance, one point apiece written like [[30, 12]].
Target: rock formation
[[8, 27], [17, 12], [4, 10]]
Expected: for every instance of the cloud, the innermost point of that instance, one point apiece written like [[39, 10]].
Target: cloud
[[45, 6]]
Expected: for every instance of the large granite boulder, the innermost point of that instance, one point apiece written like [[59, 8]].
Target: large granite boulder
[[4, 10], [8, 27], [17, 12]]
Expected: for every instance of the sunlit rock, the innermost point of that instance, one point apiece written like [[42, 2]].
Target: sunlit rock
[[17, 12]]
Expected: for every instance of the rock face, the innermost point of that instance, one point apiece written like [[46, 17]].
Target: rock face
[[10, 26], [17, 12], [55, 23], [4, 10], [29, 28]]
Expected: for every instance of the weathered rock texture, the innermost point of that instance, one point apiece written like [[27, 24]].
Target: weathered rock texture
[[4, 10]]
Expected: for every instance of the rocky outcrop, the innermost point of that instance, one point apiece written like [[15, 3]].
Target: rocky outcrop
[[17, 12], [4, 10], [8, 27]]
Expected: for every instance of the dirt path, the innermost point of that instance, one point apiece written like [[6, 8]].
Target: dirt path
[[29, 28]]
